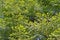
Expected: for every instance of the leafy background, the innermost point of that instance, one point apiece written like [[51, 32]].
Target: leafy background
[[29, 19]]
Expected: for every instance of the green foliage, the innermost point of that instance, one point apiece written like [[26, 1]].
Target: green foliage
[[29, 20]]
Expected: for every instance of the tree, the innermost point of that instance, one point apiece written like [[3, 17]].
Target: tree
[[30, 19]]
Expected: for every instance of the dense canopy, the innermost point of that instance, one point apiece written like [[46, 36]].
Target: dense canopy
[[29, 19]]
